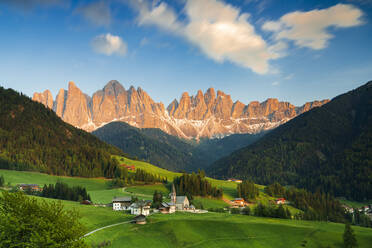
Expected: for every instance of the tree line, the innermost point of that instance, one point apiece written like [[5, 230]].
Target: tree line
[[196, 184], [124, 178], [64, 192], [247, 190], [315, 206]]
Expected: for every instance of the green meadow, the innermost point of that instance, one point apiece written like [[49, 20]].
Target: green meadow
[[226, 230], [190, 230]]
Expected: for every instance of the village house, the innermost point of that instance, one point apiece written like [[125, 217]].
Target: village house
[[167, 208], [31, 187], [140, 208], [121, 203], [280, 201], [239, 202], [129, 167], [234, 180]]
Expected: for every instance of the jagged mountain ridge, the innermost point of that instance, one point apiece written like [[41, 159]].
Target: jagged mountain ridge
[[204, 115]]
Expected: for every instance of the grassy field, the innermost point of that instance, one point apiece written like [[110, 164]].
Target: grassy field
[[17, 177], [191, 230], [100, 191], [148, 167], [224, 230]]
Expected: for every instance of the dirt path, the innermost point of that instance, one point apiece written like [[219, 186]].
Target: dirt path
[[101, 228], [227, 201], [135, 194]]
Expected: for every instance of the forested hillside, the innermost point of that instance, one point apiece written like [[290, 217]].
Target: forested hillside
[[328, 148], [167, 151], [33, 137]]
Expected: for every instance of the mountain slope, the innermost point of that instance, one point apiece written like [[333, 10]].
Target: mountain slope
[[192, 117], [327, 148], [33, 137], [167, 151], [152, 145]]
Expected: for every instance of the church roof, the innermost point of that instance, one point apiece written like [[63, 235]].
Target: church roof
[[180, 199]]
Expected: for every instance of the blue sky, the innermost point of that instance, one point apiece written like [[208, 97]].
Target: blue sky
[[296, 51]]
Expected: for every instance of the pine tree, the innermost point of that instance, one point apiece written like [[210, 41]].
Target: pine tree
[[349, 237]]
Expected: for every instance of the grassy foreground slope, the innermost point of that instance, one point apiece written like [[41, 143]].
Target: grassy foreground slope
[[224, 230]]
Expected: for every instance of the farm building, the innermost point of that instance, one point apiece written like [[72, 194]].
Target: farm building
[[140, 208], [31, 187], [239, 202], [140, 219], [121, 203], [280, 201], [167, 208], [129, 167]]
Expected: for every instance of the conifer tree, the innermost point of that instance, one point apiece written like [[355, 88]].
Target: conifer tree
[[349, 237]]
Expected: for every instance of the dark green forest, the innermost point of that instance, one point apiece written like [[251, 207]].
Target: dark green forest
[[327, 149], [62, 191], [196, 185], [33, 137], [167, 151]]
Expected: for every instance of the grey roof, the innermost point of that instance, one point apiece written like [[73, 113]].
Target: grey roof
[[140, 217], [122, 199], [180, 199], [164, 204], [28, 185]]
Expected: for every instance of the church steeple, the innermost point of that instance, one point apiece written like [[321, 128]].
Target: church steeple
[[173, 194]]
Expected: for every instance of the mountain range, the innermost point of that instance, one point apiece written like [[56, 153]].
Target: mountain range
[[208, 114], [327, 149]]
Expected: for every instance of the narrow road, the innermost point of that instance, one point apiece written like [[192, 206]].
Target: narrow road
[[101, 228]]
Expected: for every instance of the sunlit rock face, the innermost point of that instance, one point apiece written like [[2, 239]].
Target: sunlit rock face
[[203, 115]]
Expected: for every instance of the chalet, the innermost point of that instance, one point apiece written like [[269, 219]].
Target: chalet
[[167, 208], [239, 202], [280, 201], [121, 203], [140, 208], [234, 180], [181, 202], [129, 167], [31, 187]]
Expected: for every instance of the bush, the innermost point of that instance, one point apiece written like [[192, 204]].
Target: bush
[[235, 211], [27, 222], [246, 211]]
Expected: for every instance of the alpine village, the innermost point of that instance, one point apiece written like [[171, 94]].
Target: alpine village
[[265, 139]]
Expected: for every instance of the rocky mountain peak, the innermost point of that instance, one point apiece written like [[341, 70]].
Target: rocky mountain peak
[[201, 115], [45, 98]]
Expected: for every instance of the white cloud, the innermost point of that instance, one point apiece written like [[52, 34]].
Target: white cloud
[[97, 13], [224, 33], [157, 13], [109, 44], [289, 77], [276, 83], [311, 29], [218, 29]]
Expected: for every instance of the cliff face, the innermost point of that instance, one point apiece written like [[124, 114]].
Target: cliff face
[[45, 98], [204, 115]]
